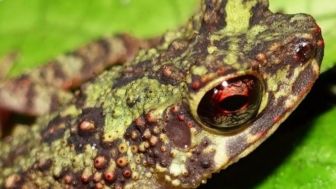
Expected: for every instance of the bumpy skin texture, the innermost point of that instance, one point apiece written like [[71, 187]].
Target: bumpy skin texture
[[138, 126]]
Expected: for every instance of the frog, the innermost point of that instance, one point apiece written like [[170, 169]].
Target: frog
[[178, 109]]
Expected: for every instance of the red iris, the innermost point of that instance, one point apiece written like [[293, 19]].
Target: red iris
[[229, 98], [231, 103]]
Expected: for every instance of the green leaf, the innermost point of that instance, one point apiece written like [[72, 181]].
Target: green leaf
[[313, 162], [324, 11], [38, 30]]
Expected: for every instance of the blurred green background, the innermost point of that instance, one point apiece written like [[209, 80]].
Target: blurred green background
[[302, 154]]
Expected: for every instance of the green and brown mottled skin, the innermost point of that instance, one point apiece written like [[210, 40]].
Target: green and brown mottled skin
[[136, 125]]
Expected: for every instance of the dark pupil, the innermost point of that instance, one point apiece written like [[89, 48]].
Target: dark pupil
[[232, 103]]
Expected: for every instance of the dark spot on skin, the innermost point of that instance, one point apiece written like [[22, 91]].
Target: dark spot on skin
[[178, 131], [55, 128]]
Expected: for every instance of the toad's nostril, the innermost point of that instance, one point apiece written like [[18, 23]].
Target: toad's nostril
[[304, 51]]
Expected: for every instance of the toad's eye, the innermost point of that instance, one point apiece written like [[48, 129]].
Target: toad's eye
[[231, 104], [304, 51]]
